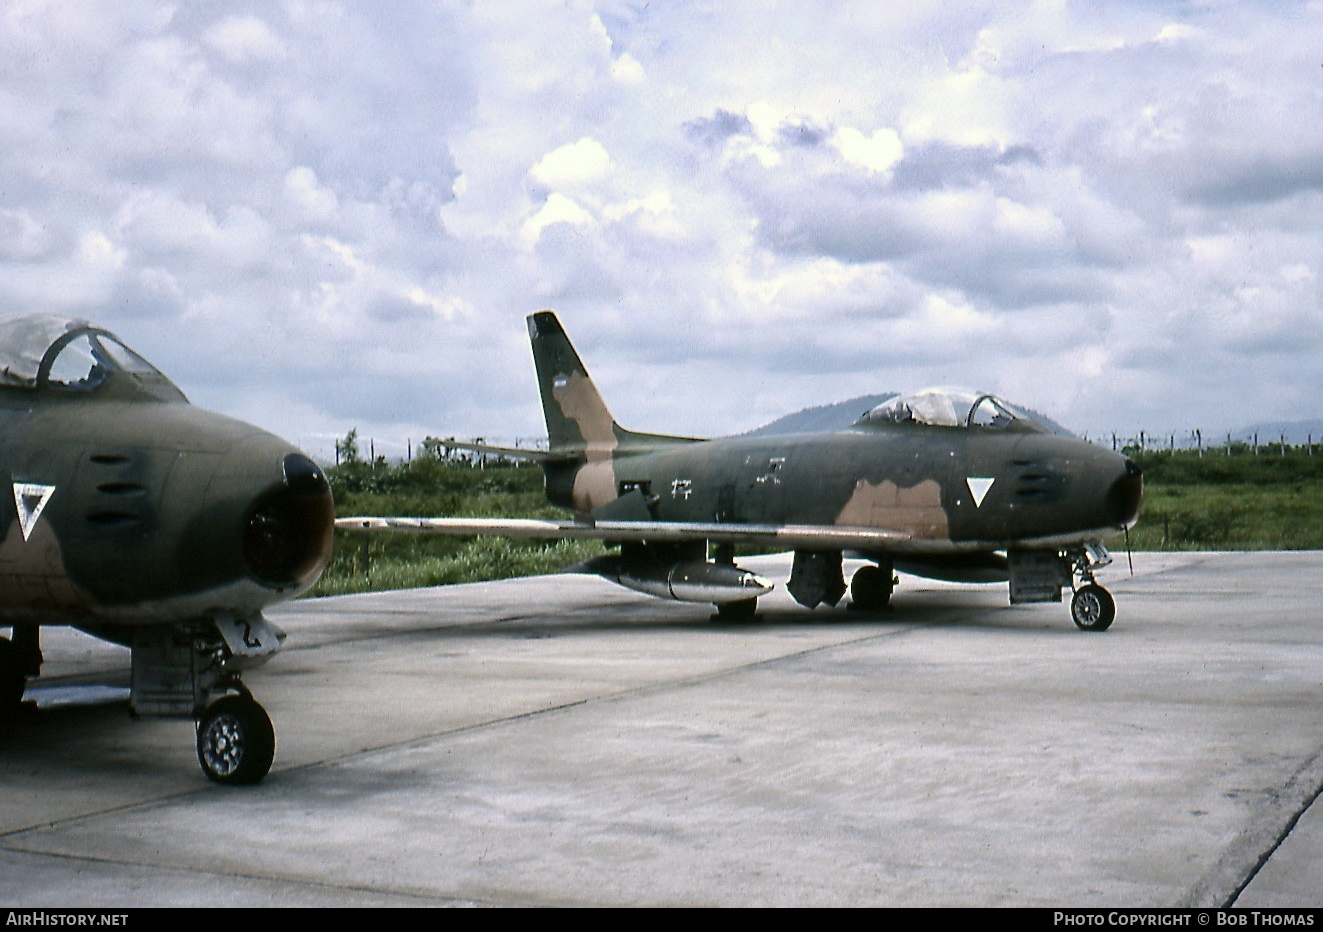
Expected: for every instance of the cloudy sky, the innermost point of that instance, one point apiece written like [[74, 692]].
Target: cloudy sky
[[325, 215]]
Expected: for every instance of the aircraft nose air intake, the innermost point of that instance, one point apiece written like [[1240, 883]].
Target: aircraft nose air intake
[[287, 537], [1126, 494]]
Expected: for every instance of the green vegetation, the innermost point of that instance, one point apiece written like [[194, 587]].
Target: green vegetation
[[1272, 500], [1217, 501], [431, 486]]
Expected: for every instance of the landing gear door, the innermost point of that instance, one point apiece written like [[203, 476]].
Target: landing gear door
[[251, 640], [1036, 575]]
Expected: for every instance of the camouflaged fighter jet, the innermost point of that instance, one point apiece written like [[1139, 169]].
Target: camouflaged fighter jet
[[147, 522], [947, 484]]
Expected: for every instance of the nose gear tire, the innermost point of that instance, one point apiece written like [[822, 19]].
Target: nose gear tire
[[236, 742], [1093, 608]]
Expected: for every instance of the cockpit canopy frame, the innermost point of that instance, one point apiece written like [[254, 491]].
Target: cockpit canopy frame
[[70, 355], [956, 408]]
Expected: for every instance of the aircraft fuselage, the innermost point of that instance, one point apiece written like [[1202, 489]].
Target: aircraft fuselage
[[942, 482], [946, 490], [145, 513]]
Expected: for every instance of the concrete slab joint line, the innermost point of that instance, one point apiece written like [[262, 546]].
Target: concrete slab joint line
[[1242, 861]]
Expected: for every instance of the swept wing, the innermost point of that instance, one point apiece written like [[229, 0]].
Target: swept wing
[[793, 536]]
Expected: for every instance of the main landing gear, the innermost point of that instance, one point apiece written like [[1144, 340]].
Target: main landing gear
[[736, 610], [740, 610], [20, 658], [871, 588]]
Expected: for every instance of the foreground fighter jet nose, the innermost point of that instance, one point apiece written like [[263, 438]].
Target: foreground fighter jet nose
[[287, 538], [1126, 494]]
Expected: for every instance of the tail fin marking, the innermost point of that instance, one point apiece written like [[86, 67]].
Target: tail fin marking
[[577, 417], [578, 421], [579, 424]]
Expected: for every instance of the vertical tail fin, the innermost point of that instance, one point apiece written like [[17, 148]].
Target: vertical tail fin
[[578, 420], [583, 438]]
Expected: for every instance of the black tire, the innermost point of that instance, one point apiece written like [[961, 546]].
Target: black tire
[[870, 589], [741, 610], [12, 681], [236, 742], [1093, 608]]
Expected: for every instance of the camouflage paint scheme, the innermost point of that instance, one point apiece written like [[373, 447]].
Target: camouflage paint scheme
[[140, 519], [986, 493]]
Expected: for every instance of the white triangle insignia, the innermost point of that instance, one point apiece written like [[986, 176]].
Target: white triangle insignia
[[978, 488], [31, 499]]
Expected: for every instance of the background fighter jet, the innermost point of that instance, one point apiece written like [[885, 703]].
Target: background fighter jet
[[145, 521], [948, 484]]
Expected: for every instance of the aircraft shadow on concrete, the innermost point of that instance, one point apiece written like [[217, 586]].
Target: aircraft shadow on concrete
[[50, 734], [923, 609]]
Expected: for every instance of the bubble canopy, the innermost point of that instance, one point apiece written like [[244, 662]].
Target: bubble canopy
[[71, 355], [953, 407]]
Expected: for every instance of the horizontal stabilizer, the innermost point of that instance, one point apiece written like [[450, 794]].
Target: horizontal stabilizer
[[514, 453]]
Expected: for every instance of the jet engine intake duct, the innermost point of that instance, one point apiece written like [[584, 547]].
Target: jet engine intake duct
[[287, 537], [1126, 494]]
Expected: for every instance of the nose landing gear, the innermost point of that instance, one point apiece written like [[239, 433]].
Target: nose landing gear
[[1092, 607], [236, 741], [193, 670], [1040, 575]]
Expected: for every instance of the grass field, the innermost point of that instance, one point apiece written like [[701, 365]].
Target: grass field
[[1243, 501], [1238, 502], [370, 562]]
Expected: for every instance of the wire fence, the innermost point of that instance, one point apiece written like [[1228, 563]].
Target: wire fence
[[1253, 443], [457, 449]]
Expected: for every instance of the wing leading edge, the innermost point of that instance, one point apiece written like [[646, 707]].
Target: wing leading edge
[[790, 536]]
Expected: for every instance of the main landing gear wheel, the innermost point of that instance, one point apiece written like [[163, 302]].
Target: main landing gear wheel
[[12, 680], [236, 743], [870, 589], [1093, 608], [740, 610]]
